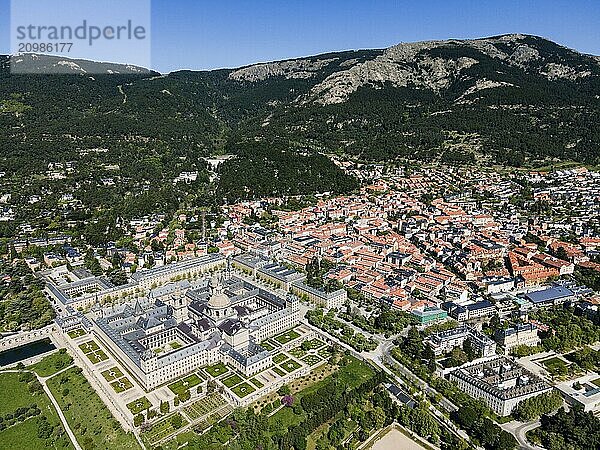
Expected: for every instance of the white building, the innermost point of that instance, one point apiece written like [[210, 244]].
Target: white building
[[445, 341], [522, 334], [500, 383]]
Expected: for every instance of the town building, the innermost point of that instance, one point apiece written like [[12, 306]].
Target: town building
[[319, 297], [445, 341], [521, 334], [499, 382]]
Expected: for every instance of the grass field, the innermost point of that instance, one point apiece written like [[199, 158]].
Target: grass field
[[290, 366], [278, 371], [256, 383], [232, 380], [114, 373], [52, 363], [89, 347], [24, 435], [242, 390], [121, 385], [596, 382], [88, 417], [279, 358], [76, 333], [139, 405], [216, 370], [286, 336], [185, 384]]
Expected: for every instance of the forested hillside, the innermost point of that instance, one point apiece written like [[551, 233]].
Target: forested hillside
[[512, 99]]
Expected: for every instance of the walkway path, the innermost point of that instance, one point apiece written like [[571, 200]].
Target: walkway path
[[48, 392]]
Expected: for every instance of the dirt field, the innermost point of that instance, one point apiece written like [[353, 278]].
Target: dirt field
[[395, 440]]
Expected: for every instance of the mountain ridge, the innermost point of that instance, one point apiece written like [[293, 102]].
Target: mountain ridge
[[512, 99]]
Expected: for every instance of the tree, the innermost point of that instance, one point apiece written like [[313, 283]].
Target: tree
[[284, 390], [379, 417], [176, 421], [164, 407], [138, 419]]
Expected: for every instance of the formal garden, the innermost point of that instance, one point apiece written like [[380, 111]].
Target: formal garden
[[139, 405], [290, 365], [216, 370], [163, 428], [232, 380], [181, 386], [287, 336], [93, 352], [74, 334], [279, 358], [556, 366], [121, 385], [112, 374], [242, 390]]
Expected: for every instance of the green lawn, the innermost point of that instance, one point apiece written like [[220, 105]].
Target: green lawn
[[24, 436], [185, 384], [279, 358], [76, 333], [97, 356], [267, 346], [556, 366], [216, 370], [15, 393], [596, 382], [290, 366], [121, 385], [241, 390], [175, 345], [232, 380], [286, 336], [52, 363], [89, 346], [256, 383], [278, 371], [139, 405], [112, 374], [88, 417]]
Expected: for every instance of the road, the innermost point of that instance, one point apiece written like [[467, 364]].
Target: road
[[519, 431]]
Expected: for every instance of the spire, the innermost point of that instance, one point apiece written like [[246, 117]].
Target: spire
[[137, 309]]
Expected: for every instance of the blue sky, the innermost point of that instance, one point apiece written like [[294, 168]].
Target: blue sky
[[200, 34]]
